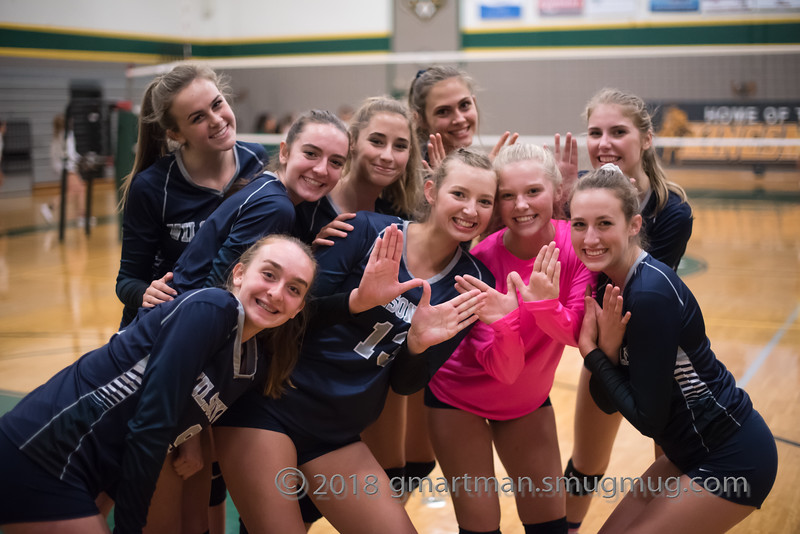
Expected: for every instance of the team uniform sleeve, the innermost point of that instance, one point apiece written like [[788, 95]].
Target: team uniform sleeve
[[338, 261], [327, 310], [187, 341], [653, 334], [670, 234], [412, 372], [140, 242], [269, 215]]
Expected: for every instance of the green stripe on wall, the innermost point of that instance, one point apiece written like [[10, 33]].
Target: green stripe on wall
[[712, 34], [18, 38], [272, 48], [15, 38]]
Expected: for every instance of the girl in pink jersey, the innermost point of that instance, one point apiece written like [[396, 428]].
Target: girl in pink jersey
[[502, 373]]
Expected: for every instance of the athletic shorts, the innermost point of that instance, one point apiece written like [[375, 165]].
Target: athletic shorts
[[29, 493], [254, 416], [432, 401], [743, 468]]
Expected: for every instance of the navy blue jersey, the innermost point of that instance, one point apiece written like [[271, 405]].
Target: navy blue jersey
[[106, 422], [262, 207], [312, 216], [164, 210], [343, 373], [669, 383], [667, 232]]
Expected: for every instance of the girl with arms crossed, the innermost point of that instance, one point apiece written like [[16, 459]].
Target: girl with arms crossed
[[663, 377], [107, 422], [394, 333], [494, 389]]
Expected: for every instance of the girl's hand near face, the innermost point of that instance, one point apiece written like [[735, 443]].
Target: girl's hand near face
[[545, 277], [336, 228], [432, 325], [611, 323], [158, 292], [508, 136], [436, 153], [566, 159], [379, 284], [497, 305]]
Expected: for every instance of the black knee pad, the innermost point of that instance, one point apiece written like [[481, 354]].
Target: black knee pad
[[219, 491], [397, 478], [416, 471], [465, 531], [556, 526], [308, 509], [580, 484]]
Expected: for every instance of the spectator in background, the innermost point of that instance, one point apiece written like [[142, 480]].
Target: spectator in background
[[266, 124], [63, 155]]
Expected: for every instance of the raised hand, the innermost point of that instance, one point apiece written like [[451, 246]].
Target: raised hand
[[507, 136], [336, 228], [379, 284], [158, 291], [545, 277], [567, 159], [436, 153], [497, 305], [432, 325], [611, 323]]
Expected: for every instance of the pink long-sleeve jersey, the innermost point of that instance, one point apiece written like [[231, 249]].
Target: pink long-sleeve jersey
[[505, 370]]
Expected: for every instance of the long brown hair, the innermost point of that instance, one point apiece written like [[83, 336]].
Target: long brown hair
[[155, 117], [282, 343], [404, 193], [421, 87]]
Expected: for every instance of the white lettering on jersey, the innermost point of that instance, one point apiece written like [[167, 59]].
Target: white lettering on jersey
[[185, 436], [183, 232], [402, 308], [212, 406]]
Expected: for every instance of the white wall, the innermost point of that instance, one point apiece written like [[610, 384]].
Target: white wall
[[205, 19]]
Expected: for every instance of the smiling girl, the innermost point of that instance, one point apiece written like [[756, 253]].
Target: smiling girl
[[495, 388], [399, 338], [171, 191], [108, 422], [660, 373], [310, 164], [620, 131]]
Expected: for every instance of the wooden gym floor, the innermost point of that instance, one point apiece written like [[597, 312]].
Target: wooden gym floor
[[57, 302]]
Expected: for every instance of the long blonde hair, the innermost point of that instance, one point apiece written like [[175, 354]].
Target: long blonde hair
[[635, 109]]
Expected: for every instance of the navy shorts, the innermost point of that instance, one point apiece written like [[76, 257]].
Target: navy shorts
[[29, 493], [743, 468], [432, 401], [252, 415]]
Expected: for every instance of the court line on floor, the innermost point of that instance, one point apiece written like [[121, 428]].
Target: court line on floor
[[768, 348]]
